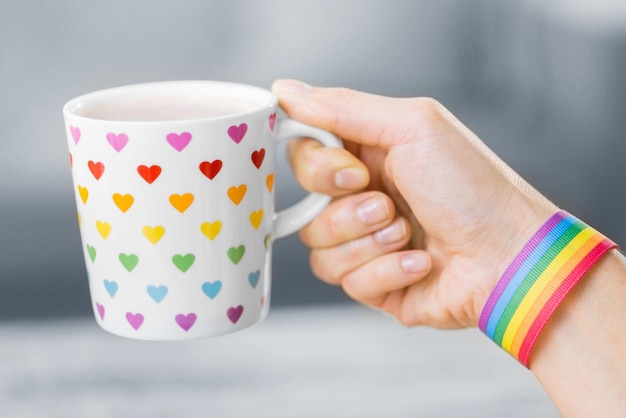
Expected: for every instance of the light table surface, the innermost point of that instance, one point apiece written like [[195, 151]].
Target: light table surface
[[337, 361]]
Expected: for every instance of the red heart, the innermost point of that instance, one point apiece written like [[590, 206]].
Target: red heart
[[96, 169], [149, 174], [257, 157], [210, 169]]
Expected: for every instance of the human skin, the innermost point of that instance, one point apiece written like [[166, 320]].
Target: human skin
[[425, 220]]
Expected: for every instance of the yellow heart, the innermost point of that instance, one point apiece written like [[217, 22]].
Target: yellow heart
[[236, 193], [104, 228], [153, 234], [211, 229], [269, 181], [84, 193], [181, 202], [256, 218], [80, 219], [124, 202]]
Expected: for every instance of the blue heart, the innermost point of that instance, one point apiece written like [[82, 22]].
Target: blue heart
[[253, 278], [212, 289], [111, 287], [157, 293]]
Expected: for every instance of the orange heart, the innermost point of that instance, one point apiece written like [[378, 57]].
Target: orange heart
[[124, 202], [269, 181], [256, 218], [211, 229], [236, 193], [181, 202], [84, 193], [104, 228], [154, 234]]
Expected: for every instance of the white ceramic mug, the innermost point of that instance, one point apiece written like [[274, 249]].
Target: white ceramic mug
[[176, 206]]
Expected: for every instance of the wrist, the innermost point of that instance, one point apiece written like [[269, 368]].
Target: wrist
[[538, 279]]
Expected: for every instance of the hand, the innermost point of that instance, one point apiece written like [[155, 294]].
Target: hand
[[426, 217]]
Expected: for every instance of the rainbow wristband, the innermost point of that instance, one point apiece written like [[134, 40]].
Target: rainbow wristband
[[537, 280]]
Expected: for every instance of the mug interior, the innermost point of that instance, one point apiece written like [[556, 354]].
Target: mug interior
[[227, 98]]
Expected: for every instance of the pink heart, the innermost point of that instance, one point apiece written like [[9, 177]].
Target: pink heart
[[118, 142], [179, 141], [135, 320], [100, 310], [75, 134], [272, 121], [234, 313], [186, 321], [237, 133]]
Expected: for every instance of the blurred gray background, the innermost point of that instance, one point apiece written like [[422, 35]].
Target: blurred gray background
[[542, 83]]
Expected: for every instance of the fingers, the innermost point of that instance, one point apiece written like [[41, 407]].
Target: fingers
[[333, 263], [331, 171], [386, 276], [349, 218], [359, 117]]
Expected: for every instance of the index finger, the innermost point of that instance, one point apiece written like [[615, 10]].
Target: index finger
[[359, 117]]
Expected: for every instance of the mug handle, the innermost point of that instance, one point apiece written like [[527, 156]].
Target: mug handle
[[289, 220]]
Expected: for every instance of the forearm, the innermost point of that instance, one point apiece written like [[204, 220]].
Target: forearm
[[580, 357]]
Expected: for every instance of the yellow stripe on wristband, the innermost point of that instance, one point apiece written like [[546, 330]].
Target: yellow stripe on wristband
[[559, 268]]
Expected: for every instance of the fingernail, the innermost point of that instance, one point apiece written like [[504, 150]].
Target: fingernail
[[351, 179], [373, 211], [393, 233], [291, 86], [415, 263]]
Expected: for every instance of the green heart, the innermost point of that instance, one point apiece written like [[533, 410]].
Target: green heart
[[236, 253], [268, 241], [92, 252], [129, 261], [183, 262]]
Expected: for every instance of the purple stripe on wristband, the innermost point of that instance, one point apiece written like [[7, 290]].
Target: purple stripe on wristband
[[515, 265]]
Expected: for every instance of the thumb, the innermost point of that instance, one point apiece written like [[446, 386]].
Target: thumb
[[363, 118]]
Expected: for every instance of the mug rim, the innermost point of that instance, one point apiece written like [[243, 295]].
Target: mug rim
[[265, 99]]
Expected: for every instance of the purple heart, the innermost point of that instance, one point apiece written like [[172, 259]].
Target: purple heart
[[234, 313], [237, 133], [100, 310], [179, 141], [135, 320], [75, 134], [118, 142], [186, 321]]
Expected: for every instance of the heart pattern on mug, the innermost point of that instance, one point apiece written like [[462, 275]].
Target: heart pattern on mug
[[136, 272], [157, 293], [96, 168], [210, 168], [237, 193], [83, 193], [211, 229], [181, 202], [75, 132], [183, 262], [153, 234], [134, 319], [117, 141], [257, 157], [123, 201], [104, 229], [179, 141], [149, 174], [236, 133]]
